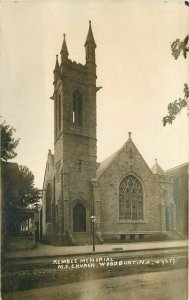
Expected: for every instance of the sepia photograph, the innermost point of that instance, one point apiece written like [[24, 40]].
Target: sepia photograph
[[94, 115]]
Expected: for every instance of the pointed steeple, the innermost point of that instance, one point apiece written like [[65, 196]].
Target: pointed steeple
[[156, 169], [90, 46], [90, 37], [56, 69], [64, 51]]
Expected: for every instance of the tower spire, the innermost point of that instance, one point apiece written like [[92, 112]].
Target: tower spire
[[56, 65], [90, 37], [56, 69], [64, 51], [90, 46]]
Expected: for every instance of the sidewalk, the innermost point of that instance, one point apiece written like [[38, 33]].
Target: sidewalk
[[48, 250]]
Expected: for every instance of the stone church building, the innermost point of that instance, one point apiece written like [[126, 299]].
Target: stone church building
[[129, 200]]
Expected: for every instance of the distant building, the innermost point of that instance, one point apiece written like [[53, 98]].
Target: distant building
[[129, 200], [180, 196]]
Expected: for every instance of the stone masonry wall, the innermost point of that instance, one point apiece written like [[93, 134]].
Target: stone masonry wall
[[109, 183]]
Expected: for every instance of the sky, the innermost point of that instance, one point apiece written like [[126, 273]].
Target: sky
[[135, 68]]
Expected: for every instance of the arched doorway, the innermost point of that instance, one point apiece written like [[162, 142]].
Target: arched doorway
[[79, 218]]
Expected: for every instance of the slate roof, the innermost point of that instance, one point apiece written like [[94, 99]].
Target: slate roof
[[107, 162]]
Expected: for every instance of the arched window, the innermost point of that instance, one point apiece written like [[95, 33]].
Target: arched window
[[59, 111], [130, 199], [77, 114], [55, 114], [48, 203]]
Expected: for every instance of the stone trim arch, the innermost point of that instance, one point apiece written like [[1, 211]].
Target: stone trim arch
[[79, 200], [132, 173], [78, 88]]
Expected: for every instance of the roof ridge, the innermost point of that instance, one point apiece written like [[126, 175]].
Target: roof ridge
[[104, 165]]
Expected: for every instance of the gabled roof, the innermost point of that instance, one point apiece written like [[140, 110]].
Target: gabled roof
[[104, 165], [156, 169], [107, 162]]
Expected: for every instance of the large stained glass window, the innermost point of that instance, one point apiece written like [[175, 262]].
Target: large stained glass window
[[130, 199]]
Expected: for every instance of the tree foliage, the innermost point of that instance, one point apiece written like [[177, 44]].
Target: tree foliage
[[19, 187], [18, 181], [8, 142], [178, 47]]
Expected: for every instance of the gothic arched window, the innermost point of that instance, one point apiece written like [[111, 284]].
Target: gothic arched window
[[77, 116], [59, 111], [48, 203], [130, 199], [55, 114]]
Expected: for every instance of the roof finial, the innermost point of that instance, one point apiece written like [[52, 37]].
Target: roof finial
[[129, 134], [156, 160]]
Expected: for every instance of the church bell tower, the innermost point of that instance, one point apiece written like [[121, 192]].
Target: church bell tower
[[74, 141]]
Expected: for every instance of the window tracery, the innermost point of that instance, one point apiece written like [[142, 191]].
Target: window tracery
[[130, 199]]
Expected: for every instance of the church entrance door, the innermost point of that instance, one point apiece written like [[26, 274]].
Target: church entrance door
[[79, 218]]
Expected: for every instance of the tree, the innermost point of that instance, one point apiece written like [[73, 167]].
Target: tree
[[18, 180], [8, 142], [19, 187], [178, 47]]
